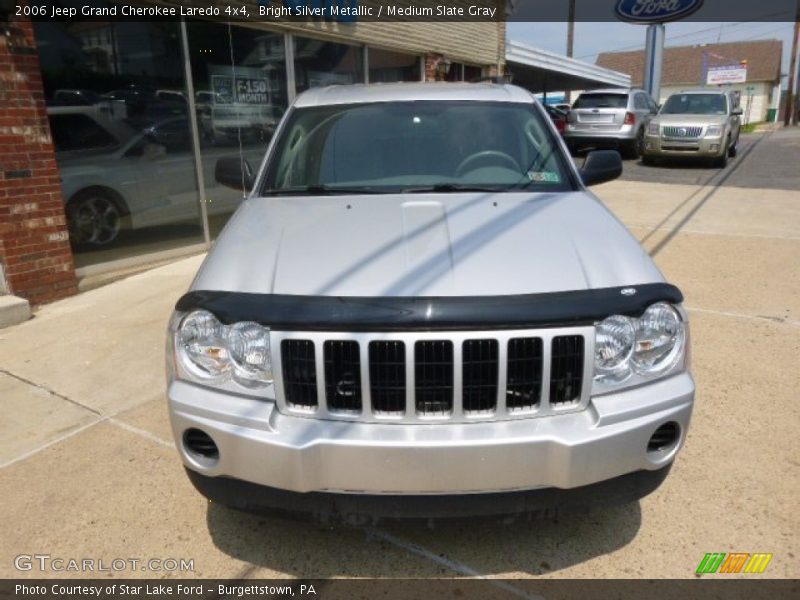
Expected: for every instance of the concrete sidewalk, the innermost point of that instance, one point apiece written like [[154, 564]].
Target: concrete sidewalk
[[89, 468]]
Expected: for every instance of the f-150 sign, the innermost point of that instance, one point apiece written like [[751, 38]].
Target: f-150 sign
[[240, 90]]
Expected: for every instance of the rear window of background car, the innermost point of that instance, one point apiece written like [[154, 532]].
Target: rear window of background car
[[601, 101]]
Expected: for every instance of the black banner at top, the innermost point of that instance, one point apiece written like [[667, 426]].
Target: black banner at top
[[355, 11]]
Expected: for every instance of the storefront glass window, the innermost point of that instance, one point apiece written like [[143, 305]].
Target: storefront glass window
[[116, 101], [386, 66], [472, 74], [456, 72], [239, 77], [318, 63]]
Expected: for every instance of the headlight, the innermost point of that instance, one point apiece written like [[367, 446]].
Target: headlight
[[652, 128], [212, 353], [660, 337], [714, 131], [614, 341], [248, 344], [631, 351], [201, 346]]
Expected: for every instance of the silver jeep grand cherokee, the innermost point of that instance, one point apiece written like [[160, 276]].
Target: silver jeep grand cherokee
[[420, 311]]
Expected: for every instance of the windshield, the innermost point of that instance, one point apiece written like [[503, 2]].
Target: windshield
[[602, 101], [695, 104], [422, 146]]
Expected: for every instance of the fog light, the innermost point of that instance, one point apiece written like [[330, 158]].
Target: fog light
[[715, 147], [664, 438], [200, 443]]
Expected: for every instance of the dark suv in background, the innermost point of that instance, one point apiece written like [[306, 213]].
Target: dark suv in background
[[610, 118]]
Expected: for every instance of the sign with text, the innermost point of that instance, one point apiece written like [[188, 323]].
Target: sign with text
[[244, 86], [726, 74]]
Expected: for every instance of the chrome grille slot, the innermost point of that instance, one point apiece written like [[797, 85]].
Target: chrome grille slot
[[524, 378], [433, 374], [566, 370], [681, 132], [342, 375], [479, 375], [299, 373], [387, 377]]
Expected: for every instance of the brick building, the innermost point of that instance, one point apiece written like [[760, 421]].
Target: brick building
[[35, 255], [98, 164]]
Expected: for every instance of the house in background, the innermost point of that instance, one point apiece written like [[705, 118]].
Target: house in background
[[685, 67]]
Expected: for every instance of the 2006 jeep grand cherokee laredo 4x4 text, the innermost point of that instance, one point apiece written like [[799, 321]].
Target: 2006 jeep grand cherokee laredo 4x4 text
[[419, 310]]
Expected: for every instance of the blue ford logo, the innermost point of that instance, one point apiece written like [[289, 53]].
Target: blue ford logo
[[655, 11]]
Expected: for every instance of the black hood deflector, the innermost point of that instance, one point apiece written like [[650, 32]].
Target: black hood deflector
[[330, 313]]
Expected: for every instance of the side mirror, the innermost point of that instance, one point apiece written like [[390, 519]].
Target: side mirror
[[601, 166], [737, 111], [234, 172]]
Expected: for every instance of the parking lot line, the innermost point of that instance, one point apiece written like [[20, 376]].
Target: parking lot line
[[457, 567], [142, 432], [53, 442], [763, 236], [735, 315]]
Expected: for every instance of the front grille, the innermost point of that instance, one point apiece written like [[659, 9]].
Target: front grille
[[455, 376], [433, 374], [342, 375], [479, 375], [299, 372], [566, 371], [678, 131], [524, 380], [387, 377]]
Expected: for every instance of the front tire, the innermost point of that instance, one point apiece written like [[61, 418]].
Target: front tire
[[722, 161], [94, 218], [635, 148]]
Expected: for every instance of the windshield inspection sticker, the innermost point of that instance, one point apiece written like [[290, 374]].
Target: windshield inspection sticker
[[544, 176]]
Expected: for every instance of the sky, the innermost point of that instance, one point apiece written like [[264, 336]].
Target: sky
[[593, 38]]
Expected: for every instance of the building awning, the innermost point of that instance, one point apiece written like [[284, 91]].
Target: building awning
[[542, 71]]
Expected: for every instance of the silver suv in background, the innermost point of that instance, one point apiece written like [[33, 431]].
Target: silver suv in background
[[702, 123], [610, 118]]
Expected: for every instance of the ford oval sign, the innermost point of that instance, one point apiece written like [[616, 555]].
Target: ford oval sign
[[655, 11]]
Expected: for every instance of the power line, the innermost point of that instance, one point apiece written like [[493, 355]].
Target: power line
[[701, 31]]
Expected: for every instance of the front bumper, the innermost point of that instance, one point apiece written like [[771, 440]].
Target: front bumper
[[260, 445], [702, 147]]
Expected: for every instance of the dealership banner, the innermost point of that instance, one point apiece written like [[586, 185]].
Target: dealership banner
[[723, 75], [354, 11], [707, 587]]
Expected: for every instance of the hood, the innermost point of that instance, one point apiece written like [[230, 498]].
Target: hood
[[686, 119], [477, 244]]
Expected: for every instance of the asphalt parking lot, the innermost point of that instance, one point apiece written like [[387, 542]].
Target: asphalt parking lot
[[88, 468]]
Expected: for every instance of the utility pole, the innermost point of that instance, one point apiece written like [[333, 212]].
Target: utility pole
[[571, 41], [789, 116]]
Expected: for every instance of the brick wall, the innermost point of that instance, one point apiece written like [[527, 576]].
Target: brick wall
[[34, 243]]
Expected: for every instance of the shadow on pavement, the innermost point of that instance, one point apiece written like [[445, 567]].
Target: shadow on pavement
[[312, 549]]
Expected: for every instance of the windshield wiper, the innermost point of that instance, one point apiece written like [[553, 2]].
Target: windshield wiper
[[320, 190], [451, 187]]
